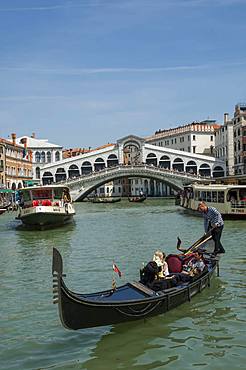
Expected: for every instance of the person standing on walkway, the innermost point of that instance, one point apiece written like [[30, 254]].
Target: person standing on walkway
[[214, 221]]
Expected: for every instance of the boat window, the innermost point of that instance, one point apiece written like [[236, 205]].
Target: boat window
[[221, 197], [214, 197], [42, 194], [26, 196], [203, 195], [58, 193], [208, 196]]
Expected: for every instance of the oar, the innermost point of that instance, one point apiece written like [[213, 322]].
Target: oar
[[197, 243], [192, 249]]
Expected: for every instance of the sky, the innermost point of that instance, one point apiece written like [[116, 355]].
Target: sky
[[83, 73]]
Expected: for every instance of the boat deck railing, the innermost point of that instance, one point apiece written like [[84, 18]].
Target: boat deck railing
[[238, 204]]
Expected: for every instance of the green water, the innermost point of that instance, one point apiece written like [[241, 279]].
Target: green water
[[206, 333]]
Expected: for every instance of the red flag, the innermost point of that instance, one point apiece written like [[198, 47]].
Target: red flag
[[116, 269]]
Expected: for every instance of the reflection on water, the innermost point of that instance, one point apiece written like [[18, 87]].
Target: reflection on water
[[206, 333]]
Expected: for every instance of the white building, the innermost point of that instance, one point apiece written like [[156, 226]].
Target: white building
[[196, 137], [42, 153], [230, 141]]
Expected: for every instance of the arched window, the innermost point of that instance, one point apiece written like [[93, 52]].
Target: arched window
[[205, 170], [60, 175], [178, 165], [57, 156], [151, 159], [37, 157], [48, 157], [112, 160], [191, 167], [47, 178], [13, 187], [165, 162], [19, 185], [218, 171], [73, 171], [43, 157], [86, 168], [37, 173], [99, 164]]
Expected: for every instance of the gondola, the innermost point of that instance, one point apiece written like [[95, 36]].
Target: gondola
[[132, 301], [105, 200], [137, 199]]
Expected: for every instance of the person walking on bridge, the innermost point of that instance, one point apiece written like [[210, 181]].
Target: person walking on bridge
[[213, 221]]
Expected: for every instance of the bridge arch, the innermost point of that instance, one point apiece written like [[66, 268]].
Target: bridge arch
[[165, 162], [205, 170], [47, 178], [151, 159], [99, 164], [112, 160], [86, 168], [60, 174], [218, 171], [83, 186], [73, 171], [178, 164], [191, 167]]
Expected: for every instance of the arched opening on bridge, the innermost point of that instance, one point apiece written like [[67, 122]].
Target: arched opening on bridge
[[57, 156], [112, 160], [13, 187], [132, 153], [205, 170], [37, 173], [151, 159], [165, 162], [19, 185], [47, 178], [218, 171], [73, 171], [178, 165], [99, 164], [60, 175], [86, 168], [191, 167]]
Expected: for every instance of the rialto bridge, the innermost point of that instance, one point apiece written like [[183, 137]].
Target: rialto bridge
[[131, 157]]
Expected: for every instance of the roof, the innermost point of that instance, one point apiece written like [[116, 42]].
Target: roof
[[43, 187], [37, 143]]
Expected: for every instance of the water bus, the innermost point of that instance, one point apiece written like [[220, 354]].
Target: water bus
[[41, 206], [230, 200]]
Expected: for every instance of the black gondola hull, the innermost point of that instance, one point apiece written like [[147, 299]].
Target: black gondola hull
[[132, 301]]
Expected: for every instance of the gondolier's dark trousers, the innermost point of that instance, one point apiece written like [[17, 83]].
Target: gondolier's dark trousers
[[216, 235]]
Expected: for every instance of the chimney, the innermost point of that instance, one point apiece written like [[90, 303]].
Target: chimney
[[225, 117], [13, 138], [33, 135]]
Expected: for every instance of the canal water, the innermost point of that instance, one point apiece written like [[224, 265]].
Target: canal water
[[206, 333]]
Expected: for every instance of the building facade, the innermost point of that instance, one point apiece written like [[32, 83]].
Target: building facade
[[196, 137], [17, 164], [230, 141], [41, 152]]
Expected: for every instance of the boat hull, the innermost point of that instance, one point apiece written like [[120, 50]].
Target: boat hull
[[130, 302], [45, 216]]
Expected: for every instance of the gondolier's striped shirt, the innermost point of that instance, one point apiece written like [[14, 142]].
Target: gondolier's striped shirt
[[212, 217]]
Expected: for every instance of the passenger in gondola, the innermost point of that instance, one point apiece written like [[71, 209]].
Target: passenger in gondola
[[159, 257]]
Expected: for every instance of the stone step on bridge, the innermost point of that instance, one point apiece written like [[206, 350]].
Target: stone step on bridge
[[82, 186]]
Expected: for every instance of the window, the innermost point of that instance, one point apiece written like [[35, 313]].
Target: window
[[211, 138], [194, 149], [57, 156], [48, 157], [194, 138], [37, 157]]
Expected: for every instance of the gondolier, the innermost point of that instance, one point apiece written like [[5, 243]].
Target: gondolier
[[213, 221]]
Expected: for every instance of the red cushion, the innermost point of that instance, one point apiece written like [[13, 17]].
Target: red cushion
[[174, 263]]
